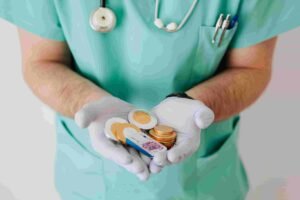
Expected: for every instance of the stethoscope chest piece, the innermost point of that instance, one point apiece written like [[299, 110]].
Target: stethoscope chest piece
[[103, 20]]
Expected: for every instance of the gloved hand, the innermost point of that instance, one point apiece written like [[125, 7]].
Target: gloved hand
[[94, 115], [187, 117]]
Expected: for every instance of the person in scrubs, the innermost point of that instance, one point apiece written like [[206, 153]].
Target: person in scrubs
[[88, 77]]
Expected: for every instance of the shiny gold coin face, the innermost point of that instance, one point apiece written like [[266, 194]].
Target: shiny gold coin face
[[114, 129], [160, 129], [141, 117], [118, 128]]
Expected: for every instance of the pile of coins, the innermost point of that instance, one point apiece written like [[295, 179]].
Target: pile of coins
[[164, 135], [143, 122]]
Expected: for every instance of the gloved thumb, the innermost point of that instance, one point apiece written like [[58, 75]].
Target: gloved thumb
[[204, 117], [85, 116]]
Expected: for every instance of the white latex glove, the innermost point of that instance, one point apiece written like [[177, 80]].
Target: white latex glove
[[154, 168], [94, 115], [187, 117]]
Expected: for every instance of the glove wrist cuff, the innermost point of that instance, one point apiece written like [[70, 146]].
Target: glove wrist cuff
[[179, 95]]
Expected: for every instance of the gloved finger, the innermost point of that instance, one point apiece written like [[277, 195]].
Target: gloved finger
[[154, 168], [186, 144], [180, 151], [86, 115], [107, 148], [145, 158], [137, 166], [143, 176], [120, 155], [204, 117], [160, 158], [116, 153]]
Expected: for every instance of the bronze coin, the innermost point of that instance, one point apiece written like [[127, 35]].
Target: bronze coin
[[162, 129], [170, 136]]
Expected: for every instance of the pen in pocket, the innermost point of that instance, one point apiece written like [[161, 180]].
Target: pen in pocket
[[233, 21], [224, 25]]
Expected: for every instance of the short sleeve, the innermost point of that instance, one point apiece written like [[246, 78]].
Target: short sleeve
[[36, 16], [260, 20]]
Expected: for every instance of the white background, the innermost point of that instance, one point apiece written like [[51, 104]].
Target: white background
[[269, 141]]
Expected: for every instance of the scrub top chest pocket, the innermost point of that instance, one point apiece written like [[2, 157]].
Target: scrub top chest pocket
[[209, 54]]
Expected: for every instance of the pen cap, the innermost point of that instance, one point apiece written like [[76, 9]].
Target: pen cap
[[226, 23], [233, 21], [220, 21]]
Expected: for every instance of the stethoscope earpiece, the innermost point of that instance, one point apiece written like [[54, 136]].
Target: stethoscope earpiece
[[159, 23], [172, 27]]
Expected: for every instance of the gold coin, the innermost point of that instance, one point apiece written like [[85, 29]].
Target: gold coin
[[169, 142], [163, 139], [161, 129], [166, 143], [118, 128], [141, 117], [170, 136], [169, 146], [164, 135], [114, 129]]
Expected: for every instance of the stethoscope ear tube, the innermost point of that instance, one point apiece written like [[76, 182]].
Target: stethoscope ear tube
[[103, 3]]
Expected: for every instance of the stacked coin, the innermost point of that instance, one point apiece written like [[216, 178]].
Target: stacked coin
[[164, 135]]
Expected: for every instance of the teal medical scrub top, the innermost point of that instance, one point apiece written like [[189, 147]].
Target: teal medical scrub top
[[141, 64]]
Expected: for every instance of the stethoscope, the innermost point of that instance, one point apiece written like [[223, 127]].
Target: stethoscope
[[104, 19]]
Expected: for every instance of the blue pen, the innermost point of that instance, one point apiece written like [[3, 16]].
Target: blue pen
[[233, 21]]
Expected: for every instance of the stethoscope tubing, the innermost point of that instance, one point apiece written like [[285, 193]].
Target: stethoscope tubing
[[103, 3], [172, 27]]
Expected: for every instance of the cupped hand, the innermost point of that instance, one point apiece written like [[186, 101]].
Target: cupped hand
[[93, 116], [188, 117]]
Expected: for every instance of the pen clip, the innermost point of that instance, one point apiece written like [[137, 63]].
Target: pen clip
[[218, 26]]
